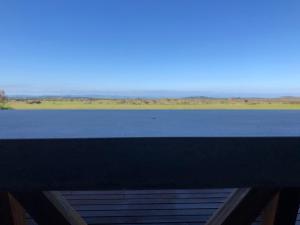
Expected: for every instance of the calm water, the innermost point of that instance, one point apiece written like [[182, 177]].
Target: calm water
[[150, 123]]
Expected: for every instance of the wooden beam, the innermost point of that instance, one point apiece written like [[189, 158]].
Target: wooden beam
[[268, 215], [242, 207], [283, 209], [11, 212], [49, 208], [149, 163]]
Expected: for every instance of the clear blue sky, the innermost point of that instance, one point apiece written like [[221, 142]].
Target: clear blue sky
[[150, 47]]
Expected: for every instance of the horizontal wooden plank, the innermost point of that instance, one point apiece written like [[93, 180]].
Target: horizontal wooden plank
[[149, 192], [156, 196], [94, 207], [148, 163], [143, 201], [167, 223], [146, 213], [134, 220], [31, 222], [94, 222]]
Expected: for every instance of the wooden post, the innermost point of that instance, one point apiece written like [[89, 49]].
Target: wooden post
[[283, 209], [49, 208], [268, 215], [11, 212], [242, 207]]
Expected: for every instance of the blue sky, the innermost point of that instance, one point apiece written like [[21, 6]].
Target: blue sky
[[150, 47]]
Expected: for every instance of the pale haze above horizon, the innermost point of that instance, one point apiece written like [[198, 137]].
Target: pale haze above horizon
[[169, 48]]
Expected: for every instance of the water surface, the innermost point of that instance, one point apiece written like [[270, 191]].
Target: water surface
[[147, 123]]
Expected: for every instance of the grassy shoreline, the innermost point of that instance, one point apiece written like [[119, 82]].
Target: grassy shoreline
[[163, 104]]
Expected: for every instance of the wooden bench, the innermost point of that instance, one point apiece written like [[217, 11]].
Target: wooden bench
[[176, 207]]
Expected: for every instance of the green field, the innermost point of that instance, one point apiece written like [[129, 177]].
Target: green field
[[154, 104]]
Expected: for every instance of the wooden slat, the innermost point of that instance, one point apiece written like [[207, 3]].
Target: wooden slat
[[242, 207], [284, 208], [147, 213], [147, 206], [144, 201], [148, 163], [199, 220], [149, 196], [11, 212], [146, 220], [148, 192], [147, 223], [49, 208]]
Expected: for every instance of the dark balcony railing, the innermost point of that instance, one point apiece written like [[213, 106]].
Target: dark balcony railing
[[149, 163]]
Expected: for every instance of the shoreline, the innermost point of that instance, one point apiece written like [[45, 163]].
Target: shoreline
[[154, 104]]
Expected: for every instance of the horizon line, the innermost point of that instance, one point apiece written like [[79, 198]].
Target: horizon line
[[99, 96]]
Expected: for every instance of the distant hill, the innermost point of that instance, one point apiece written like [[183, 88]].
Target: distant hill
[[28, 97]]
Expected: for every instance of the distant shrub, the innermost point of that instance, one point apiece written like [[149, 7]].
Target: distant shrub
[[34, 102], [3, 99]]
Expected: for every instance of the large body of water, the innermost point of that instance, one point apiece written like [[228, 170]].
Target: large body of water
[[147, 123]]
